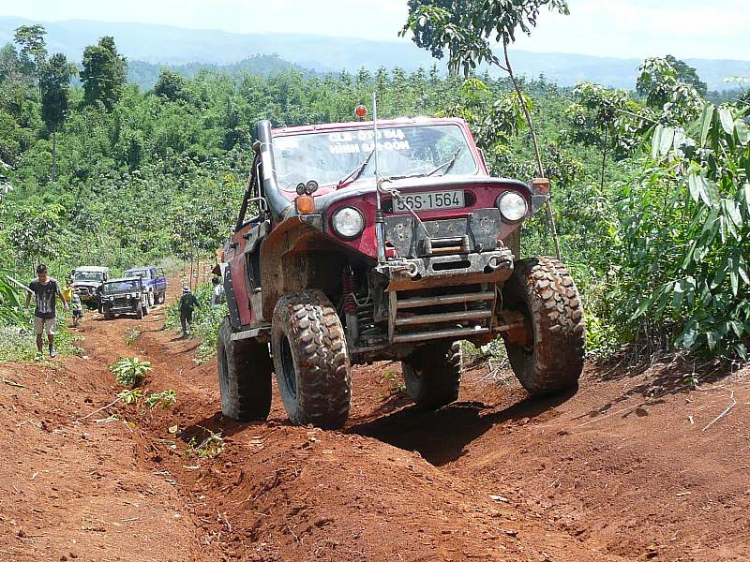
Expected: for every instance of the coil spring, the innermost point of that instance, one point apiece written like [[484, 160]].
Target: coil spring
[[349, 282]]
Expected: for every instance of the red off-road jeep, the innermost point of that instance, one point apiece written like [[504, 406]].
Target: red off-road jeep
[[357, 253]]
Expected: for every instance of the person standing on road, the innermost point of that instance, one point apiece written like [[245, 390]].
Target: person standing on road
[[217, 294], [45, 290], [77, 307], [188, 302]]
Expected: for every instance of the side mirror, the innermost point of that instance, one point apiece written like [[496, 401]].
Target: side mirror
[[540, 186]]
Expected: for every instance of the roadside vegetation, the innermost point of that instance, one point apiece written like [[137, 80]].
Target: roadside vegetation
[[652, 194]]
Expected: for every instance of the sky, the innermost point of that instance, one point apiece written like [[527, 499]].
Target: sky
[[716, 29]]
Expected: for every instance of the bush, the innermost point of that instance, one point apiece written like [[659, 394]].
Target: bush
[[131, 371]]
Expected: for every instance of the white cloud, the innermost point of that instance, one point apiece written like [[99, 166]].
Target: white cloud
[[639, 28]]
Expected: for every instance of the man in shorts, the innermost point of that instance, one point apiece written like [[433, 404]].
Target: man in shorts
[[46, 290]]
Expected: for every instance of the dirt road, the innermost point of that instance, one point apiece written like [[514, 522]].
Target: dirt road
[[620, 471]]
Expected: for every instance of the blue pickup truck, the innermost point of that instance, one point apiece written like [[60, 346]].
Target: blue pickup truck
[[154, 281]]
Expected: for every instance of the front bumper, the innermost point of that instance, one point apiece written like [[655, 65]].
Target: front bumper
[[120, 307], [448, 270]]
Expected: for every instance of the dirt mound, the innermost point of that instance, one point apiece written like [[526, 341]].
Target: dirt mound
[[622, 470]]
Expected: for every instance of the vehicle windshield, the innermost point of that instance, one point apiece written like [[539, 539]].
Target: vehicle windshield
[[118, 287], [409, 150], [142, 273], [88, 276]]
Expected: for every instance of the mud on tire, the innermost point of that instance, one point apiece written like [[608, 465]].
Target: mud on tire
[[311, 360], [432, 374], [544, 290], [244, 376]]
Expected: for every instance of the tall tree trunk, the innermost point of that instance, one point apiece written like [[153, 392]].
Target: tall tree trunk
[[535, 142], [604, 159], [54, 155]]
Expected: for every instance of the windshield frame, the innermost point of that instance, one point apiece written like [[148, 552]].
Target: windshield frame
[[98, 279], [468, 146], [119, 283], [142, 272]]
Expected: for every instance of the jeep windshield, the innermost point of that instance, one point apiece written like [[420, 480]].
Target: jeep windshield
[[142, 273], [127, 286], [341, 157], [88, 276]]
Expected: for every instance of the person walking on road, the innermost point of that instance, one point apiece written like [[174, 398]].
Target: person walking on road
[[188, 302], [45, 290]]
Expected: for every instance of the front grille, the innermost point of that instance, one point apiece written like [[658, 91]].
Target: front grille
[[455, 313]]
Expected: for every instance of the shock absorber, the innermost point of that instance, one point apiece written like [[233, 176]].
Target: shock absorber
[[349, 283]]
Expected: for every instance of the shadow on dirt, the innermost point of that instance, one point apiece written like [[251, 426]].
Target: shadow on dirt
[[680, 376], [217, 424], [441, 436]]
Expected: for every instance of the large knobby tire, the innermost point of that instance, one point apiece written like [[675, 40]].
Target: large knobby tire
[[311, 360], [543, 289], [244, 376], [432, 374]]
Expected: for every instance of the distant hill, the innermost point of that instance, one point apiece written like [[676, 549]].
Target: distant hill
[[160, 45], [145, 74]]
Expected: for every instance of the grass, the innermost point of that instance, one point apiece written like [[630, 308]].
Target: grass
[[18, 343], [132, 335], [211, 447], [395, 382]]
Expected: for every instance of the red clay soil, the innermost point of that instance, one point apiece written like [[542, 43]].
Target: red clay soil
[[620, 471]]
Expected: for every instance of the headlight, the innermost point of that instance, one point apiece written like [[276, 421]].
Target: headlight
[[348, 222], [512, 206]]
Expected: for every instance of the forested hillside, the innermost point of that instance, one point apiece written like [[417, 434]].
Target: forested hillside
[[652, 199], [169, 45]]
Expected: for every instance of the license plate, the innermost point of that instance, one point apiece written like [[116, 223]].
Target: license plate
[[434, 200]]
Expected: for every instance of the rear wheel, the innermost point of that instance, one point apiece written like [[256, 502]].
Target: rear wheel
[[544, 291], [432, 374], [244, 376], [311, 360]]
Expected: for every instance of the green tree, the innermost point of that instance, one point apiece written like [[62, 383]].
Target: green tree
[[33, 54], [103, 73], [678, 101], [464, 28], [605, 119], [683, 73], [169, 85], [54, 84]]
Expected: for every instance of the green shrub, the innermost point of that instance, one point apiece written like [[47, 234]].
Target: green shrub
[[130, 371]]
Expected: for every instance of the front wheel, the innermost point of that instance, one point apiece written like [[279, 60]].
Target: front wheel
[[244, 376], [552, 361], [311, 360], [432, 374]]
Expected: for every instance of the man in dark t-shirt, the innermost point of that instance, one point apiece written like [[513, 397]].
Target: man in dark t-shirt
[[46, 290]]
